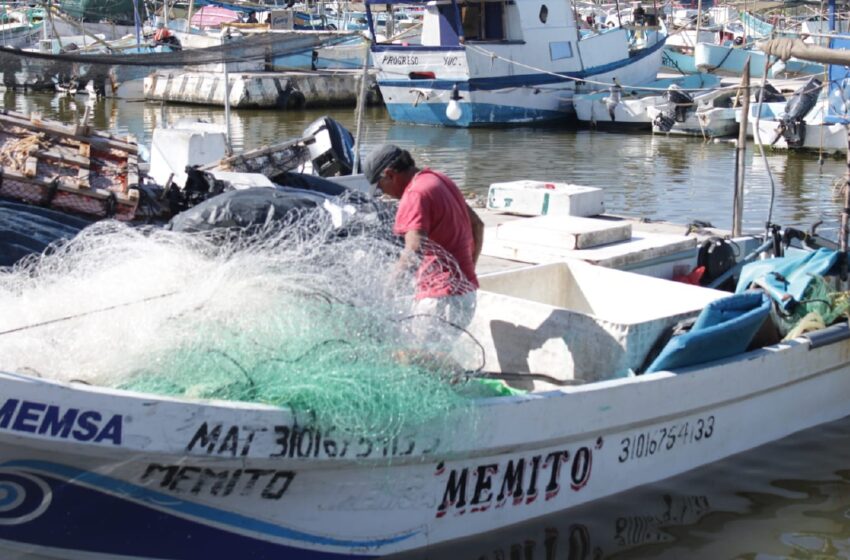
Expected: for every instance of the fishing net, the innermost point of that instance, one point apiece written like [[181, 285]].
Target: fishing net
[[821, 306], [43, 70], [298, 314]]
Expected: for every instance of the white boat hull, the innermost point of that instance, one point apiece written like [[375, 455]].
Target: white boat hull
[[830, 138], [212, 479], [508, 98], [524, 70], [628, 113], [711, 123]]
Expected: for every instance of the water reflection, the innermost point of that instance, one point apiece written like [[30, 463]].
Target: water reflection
[[789, 499], [657, 177]]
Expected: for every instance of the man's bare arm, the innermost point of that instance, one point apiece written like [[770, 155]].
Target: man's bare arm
[[413, 241], [477, 233]]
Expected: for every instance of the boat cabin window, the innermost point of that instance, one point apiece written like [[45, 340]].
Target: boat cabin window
[[483, 21], [544, 13], [560, 49]]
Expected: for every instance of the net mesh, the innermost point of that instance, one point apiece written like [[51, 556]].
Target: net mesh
[[76, 67], [296, 314]]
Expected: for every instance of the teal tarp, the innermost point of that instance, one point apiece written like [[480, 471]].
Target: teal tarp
[[724, 328], [787, 276]]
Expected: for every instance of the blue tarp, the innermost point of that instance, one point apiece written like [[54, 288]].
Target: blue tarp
[[785, 279], [724, 328], [26, 229]]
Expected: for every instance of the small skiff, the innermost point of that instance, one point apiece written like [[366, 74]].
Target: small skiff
[[182, 478]]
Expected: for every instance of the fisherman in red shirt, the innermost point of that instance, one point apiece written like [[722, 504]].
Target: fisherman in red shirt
[[441, 232]]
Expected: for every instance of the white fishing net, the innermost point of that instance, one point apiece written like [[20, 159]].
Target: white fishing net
[[296, 314]]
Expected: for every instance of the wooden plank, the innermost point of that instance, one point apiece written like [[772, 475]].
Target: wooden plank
[[132, 172], [31, 166], [98, 134], [99, 194], [83, 179], [58, 157], [252, 154], [63, 131]]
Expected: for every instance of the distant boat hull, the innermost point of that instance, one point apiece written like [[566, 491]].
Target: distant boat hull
[[678, 61], [730, 61], [495, 100], [632, 112]]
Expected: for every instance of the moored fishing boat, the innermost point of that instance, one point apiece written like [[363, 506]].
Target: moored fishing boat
[[626, 107], [707, 114], [214, 477], [506, 63], [257, 479], [729, 60]]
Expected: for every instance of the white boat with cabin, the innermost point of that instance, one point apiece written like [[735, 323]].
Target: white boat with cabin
[[499, 62]]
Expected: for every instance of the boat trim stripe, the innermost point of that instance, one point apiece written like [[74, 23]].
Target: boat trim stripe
[[498, 82], [159, 500]]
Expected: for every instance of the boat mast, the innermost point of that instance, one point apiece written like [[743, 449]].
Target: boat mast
[[844, 230], [699, 21], [225, 37], [741, 154], [189, 17]]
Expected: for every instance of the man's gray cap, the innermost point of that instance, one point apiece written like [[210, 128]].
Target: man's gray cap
[[379, 159]]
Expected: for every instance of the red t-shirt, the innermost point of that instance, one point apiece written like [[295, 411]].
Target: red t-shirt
[[432, 203]]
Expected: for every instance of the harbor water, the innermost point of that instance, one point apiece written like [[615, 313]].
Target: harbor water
[[790, 499]]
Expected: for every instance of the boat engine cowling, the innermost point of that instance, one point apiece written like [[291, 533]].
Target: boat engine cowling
[[679, 103], [771, 94], [332, 149], [664, 122], [793, 123]]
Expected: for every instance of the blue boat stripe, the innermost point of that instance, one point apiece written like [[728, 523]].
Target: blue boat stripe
[[160, 500], [537, 79]]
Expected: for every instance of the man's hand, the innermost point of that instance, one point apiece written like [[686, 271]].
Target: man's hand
[[413, 241]]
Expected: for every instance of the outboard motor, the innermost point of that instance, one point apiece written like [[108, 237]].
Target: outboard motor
[[793, 127], [771, 94], [332, 149], [679, 104]]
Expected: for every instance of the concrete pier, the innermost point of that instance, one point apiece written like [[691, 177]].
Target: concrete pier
[[262, 90]]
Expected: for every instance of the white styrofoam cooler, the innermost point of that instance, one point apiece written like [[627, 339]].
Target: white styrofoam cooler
[[185, 143], [541, 198], [574, 320]]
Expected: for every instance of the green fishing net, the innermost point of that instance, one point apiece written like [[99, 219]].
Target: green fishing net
[[331, 362], [820, 306]]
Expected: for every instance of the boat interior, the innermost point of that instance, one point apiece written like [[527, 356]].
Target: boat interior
[[576, 322]]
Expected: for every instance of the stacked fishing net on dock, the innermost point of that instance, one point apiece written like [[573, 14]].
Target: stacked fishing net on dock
[[293, 314]]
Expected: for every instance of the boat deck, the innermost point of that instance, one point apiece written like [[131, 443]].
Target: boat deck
[[488, 264]]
